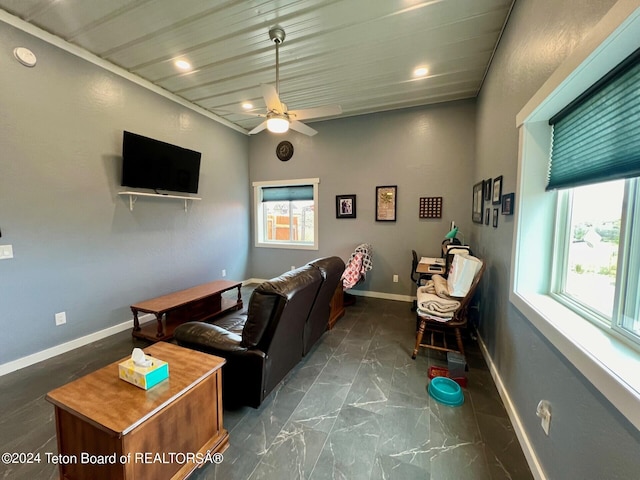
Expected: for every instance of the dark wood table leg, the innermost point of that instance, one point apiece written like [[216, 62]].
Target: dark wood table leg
[[160, 333], [239, 297], [136, 322]]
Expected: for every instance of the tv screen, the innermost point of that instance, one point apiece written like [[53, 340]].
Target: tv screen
[[149, 163]]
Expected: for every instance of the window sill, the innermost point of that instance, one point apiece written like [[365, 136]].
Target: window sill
[[287, 246], [607, 362]]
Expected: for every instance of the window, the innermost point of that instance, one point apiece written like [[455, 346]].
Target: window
[[594, 139], [286, 213], [596, 264]]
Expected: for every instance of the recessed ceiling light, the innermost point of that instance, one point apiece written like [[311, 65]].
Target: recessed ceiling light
[[247, 106], [183, 65], [420, 72]]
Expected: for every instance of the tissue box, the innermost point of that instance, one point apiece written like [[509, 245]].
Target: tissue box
[[143, 377]]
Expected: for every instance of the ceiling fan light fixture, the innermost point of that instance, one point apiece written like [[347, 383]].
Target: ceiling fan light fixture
[[277, 124]]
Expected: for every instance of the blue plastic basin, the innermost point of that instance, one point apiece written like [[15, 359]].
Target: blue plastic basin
[[446, 391]]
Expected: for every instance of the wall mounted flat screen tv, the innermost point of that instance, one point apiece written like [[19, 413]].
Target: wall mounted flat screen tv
[[149, 163]]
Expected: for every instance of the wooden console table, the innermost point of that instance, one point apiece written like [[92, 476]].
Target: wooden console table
[[193, 304], [110, 429]]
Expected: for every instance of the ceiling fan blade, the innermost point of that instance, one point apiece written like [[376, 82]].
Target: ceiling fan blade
[[317, 112], [302, 128], [271, 98], [259, 128]]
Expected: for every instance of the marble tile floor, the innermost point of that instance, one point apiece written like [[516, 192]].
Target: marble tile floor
[[355, 408]]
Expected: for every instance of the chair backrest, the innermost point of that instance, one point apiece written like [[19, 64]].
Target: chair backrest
[[414, 265], [461, 313]]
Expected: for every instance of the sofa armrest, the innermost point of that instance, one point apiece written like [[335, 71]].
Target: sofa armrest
[[208, 336]]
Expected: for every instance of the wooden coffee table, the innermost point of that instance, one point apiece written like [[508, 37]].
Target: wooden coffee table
[[198, 303], [148, 433]]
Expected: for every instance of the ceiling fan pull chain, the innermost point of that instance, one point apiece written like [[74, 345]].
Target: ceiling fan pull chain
[[277, 69]]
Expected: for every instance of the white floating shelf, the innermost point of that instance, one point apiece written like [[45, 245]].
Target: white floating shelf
[[133, 196]]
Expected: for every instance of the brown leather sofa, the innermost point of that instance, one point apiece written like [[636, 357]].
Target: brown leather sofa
[[284, 318]]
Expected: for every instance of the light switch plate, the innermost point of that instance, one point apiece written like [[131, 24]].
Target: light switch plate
[[61, 318]]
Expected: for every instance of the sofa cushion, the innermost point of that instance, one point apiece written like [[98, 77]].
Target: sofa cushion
[[208, 336], [269, 299], [233, 322], [331, 269], [261, 310]]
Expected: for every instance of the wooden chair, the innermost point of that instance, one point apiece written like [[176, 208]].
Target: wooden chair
[[432, 328], [418, 278]]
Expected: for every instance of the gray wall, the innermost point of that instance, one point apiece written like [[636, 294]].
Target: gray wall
[[589, 438], [424, 151], [77, 246]]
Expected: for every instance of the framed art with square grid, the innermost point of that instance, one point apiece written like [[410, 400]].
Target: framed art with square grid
[[430, 207]]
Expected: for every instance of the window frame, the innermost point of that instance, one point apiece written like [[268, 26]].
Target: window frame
[[259, 220]]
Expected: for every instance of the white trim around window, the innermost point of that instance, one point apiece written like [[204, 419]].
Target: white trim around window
[[606, 360], [259, 220]]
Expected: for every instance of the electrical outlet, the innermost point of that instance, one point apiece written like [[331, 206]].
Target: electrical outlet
[[61, 318], [224, 272], [6, 252], [544, 412], [293, 267], [395, 279]]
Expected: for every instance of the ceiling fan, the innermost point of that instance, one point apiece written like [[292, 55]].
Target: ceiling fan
[[278, 118]]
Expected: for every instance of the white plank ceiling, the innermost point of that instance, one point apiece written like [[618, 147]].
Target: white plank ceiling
[[359, 54]]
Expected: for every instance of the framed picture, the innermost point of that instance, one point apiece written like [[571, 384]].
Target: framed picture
[[478, 202], [487, 216], [497, 190], [345, 206], [507, 204], [430, 207], [495, 218], [386, 203], [487, 190]]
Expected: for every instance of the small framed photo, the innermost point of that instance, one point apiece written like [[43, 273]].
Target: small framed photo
[[487, 190], [345, 206], [386, 197], [478, 202], [487, 216], [495, 218], [507, 204], [497, 190]]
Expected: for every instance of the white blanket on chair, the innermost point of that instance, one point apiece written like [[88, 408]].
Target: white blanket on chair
[[434, 305], [438, 286]]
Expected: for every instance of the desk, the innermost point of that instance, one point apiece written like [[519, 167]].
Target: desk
[[430, 266]]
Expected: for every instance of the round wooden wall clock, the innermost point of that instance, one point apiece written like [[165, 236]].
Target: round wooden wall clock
[[284, 151]]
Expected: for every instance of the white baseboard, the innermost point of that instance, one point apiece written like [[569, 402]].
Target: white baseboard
[[385, 296], [527, 447], [42, 355], [358, 293], [23, 362]]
